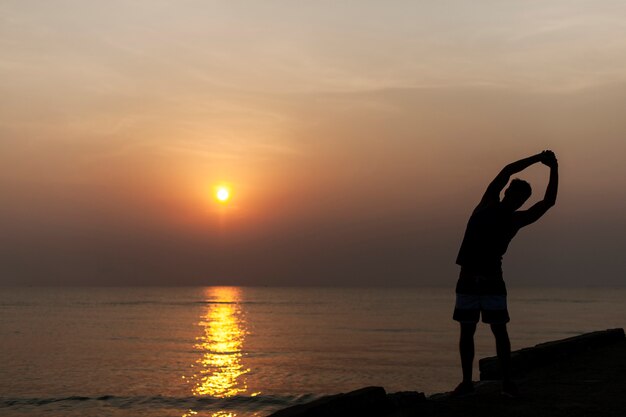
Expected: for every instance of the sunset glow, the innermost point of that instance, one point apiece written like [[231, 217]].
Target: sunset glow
[[248, 143]]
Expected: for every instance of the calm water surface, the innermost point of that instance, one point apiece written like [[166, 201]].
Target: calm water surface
[[238, 351]]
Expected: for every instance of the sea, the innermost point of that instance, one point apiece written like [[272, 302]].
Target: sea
[[248, 351]]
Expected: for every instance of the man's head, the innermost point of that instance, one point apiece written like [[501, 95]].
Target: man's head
[[517, 194]]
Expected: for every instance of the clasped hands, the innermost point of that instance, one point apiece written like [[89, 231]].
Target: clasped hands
[[548, 158]]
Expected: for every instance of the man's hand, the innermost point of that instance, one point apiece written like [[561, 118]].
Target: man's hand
[[549, 159]]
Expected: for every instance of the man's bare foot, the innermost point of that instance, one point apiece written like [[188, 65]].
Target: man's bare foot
[[463, 389]]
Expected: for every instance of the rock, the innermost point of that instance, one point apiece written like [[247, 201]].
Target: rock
[[544, 353], [364, 402], [406, 399]]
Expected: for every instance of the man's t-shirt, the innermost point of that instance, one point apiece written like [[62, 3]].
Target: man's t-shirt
[[487, 236]]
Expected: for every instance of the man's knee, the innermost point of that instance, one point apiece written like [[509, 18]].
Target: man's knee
[[468, 329], [499, 330]]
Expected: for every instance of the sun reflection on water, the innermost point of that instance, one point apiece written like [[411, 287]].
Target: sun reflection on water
[[219, 372]]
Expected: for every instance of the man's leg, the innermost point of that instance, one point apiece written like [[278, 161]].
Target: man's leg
[[466, 348], [467, 313], [503, 348]]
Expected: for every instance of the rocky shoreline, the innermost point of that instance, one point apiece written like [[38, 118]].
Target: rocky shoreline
[[579, 376]]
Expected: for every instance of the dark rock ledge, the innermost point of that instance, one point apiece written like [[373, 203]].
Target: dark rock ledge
[[528, 359], [369, 401], [569, 377]]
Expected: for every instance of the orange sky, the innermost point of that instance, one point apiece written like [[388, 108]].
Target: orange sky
[[356, 137]]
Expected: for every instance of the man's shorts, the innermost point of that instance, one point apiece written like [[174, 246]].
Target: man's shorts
[[480, 294], [469, 308]]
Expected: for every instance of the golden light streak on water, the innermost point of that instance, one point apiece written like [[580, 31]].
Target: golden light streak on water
[[219, 372]]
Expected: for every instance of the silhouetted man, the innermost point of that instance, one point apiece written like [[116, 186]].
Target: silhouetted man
[[480, 288]]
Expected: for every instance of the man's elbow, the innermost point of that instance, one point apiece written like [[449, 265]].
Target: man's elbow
[[549, 202], [508, 170]]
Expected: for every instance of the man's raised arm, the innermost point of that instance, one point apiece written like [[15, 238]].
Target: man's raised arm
[[533, 214], [500, 181]]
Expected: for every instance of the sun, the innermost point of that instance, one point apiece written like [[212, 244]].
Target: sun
[[222, 194]]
